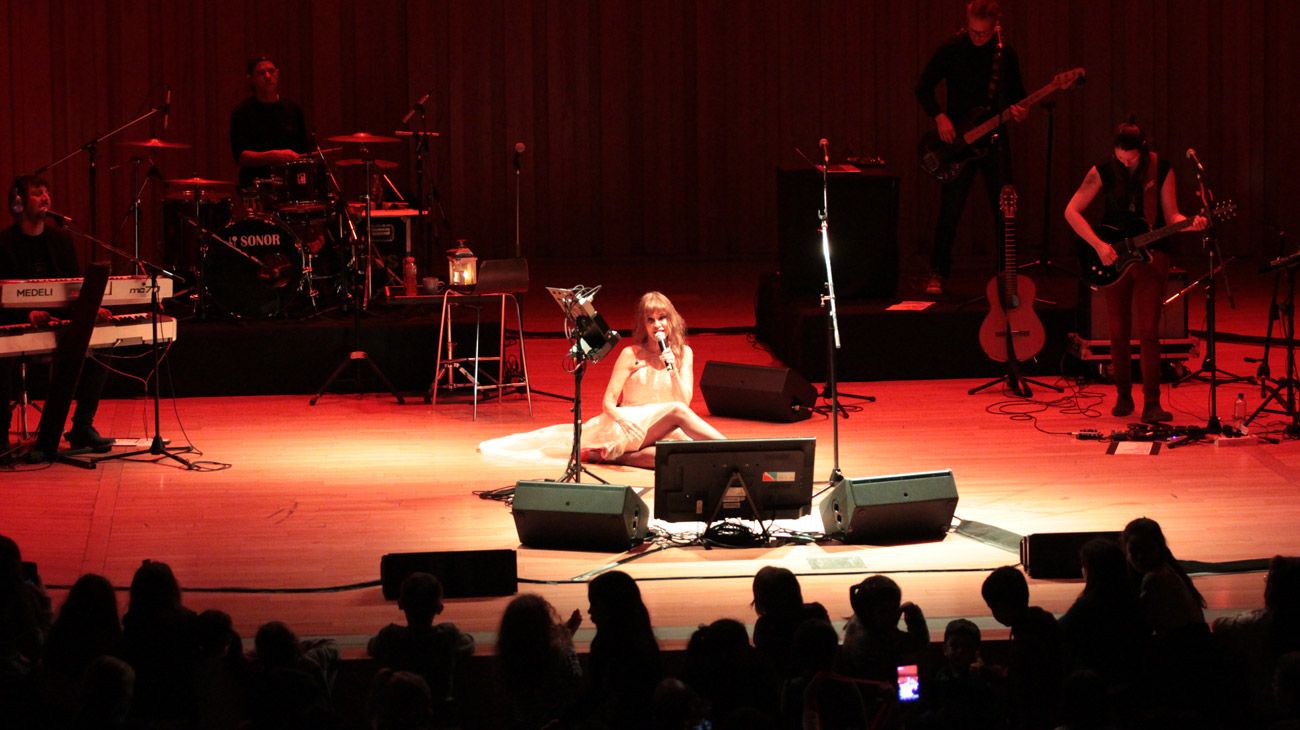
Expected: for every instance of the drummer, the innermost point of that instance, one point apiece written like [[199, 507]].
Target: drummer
[[265, 129]]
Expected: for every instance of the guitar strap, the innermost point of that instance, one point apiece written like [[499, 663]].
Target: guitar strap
[[1151, 192], [995, 70]]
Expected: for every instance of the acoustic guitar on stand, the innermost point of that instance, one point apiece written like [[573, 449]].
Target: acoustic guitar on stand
[[945, 160], [1011, 332]]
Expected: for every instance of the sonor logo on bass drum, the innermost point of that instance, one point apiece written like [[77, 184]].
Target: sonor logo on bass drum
[[251, 241]]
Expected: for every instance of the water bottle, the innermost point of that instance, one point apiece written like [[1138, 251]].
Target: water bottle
[[409, 276], [1239, 412]]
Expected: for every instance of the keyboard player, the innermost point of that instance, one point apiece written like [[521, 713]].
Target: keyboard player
[[32, 248]]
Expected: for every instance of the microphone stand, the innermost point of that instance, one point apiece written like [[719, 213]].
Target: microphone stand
[[91, 148], [828, 301], [158, 446], [357, 354], [1210, 243]]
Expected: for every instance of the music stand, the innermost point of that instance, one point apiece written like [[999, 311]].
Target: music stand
[[592, 340]]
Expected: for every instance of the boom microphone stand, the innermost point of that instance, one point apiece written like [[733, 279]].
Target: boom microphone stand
[[1210, 242], [158, 446], [91, 148]]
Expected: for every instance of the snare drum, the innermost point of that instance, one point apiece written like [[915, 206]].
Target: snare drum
[[303, 186], [259, 287]]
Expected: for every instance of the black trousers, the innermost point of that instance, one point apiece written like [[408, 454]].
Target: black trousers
[[952, 202], [90, 386]]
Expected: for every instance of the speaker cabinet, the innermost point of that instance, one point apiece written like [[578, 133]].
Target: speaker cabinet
[[755, 392], [1056, 554], [463, 573], [598, 517], [1093, 324], [891, 510], [863, 211]]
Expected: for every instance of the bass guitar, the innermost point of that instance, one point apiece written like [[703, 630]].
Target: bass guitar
[[1012, 331], [945, 160], [1130, 242]]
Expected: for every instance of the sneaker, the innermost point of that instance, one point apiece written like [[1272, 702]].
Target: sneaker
[[1123, 406], [934, 285], [1153, 413], [88, 438]]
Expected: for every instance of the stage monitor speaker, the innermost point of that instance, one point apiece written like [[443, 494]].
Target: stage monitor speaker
[[863, 223], [1056, 554], [463, 573], [756, 392], [1093, 323], [891, 510], [598, 517]]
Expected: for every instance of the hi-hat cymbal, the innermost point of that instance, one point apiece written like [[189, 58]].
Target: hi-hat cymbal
[[377, 164], [360, 138], [191, 182], [155, 143]]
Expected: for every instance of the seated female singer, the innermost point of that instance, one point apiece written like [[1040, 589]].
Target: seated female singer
[[647, 399]]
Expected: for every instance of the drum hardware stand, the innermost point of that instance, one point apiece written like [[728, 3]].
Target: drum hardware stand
[[158, 446], [426, 242], [91, 148], [1283, 389], [1210, 242], [358, 355]]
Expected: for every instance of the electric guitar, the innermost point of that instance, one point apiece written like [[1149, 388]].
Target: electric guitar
[[945, 160], [1012, 331], [1130, 242]]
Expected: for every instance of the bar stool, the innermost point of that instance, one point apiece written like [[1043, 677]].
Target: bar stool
[[499, 280]]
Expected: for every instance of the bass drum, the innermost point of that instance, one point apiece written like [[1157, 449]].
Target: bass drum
[[261, 276]]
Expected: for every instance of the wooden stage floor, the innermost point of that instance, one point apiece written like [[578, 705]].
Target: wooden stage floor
[[313, 496]]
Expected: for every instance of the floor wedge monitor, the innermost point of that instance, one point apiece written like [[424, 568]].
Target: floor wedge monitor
[[599, 517], [891, 510]]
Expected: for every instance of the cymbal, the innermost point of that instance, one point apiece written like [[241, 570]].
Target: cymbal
[[360, 138], [377, 164], [191, 182], [155, 143]]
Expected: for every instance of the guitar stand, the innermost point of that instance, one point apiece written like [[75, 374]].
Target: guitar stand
[[1018, 384]]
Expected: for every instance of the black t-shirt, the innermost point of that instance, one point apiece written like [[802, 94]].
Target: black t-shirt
[[965, 69], [50, 255], [258, 126]]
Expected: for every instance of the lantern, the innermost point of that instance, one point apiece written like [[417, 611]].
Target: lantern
[[462, 266]]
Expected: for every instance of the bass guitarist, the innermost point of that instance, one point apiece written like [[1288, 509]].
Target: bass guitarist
[[1138, 188], [978, 71]]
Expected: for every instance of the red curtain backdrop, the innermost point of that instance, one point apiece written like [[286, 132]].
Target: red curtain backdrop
[[652, 128]]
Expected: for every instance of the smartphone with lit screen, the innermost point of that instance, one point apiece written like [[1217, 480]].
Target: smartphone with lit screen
[[909, 683]]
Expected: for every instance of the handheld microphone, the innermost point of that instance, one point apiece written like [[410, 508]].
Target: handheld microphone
[[61, 218], [663, 347], [1191, 155], [826, 150], [416, 107], [519, 150], [167, 108]]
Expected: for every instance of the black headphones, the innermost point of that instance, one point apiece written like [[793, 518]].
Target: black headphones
[[16, 197]]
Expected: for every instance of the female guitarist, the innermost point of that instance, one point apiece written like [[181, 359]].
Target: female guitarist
[[1138, 191]]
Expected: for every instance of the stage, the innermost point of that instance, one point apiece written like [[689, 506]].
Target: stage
[[295, 503]]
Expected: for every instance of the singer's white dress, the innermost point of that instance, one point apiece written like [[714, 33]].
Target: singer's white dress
[[647, 396]]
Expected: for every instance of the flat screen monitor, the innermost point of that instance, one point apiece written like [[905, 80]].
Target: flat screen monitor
[[705, 481]]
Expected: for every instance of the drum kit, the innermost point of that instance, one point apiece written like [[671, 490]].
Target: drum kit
[[284, 246]]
